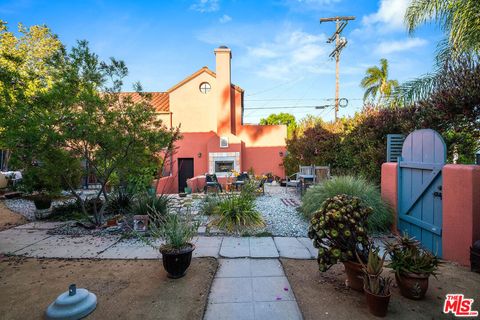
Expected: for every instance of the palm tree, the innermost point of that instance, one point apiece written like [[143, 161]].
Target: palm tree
[[376, 82], [460, 21]]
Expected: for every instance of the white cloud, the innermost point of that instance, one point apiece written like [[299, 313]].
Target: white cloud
[[204, 6], [390, 15], [290, 54], [225, 18], [388, 47], [309, 5]]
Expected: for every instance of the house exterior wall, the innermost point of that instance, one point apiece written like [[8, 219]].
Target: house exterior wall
[[192, 110], [204, 118]]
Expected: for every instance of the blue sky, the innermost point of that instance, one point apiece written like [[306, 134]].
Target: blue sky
[[280, 57]]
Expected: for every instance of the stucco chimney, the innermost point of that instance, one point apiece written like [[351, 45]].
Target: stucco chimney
[[223, 56]]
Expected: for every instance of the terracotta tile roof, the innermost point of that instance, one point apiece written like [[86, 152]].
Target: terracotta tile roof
[[159, 100]]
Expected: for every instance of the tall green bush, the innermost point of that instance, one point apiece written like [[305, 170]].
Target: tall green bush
[[381, 217]]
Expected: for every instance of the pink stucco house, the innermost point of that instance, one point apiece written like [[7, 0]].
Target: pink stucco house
[[209, 109]]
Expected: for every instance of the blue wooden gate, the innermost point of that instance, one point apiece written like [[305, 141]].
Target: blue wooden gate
[[420, 188]]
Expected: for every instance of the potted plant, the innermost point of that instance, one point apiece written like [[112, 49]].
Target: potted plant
[[375, 286], [177, 231], [412, 265], [338, 231]]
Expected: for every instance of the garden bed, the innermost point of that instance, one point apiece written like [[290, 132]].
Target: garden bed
[[127, 289], [324, 295]]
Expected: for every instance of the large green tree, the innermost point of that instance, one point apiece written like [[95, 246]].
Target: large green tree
[[377, 85], [281, 118], [75, 113], [28, 64]]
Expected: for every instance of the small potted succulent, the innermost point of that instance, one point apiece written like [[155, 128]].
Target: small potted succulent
[[412, 265], [375, 286], [177, 230], [338, 231]]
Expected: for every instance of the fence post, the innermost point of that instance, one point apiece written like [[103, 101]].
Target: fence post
[[389, 189], [461, 211]]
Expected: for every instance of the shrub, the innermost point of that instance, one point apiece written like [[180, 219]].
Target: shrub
[[338, 230], [209, 205], [120, 202], [381, 218], [236, 212], [152, 206], [176, 230]]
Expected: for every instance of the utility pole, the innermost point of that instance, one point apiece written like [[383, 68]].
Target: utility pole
[[340, 43]]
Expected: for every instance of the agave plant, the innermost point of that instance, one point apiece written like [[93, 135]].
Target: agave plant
[[408, 256], [339, 230], [372, 270]]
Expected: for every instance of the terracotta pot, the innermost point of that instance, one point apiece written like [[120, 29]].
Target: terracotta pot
[[354, 275], [176, 262], [412, 285], [112, 222], [377, 305]]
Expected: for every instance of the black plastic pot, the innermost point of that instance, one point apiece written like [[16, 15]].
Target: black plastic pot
[[42, 203], [475, 257], [176, 262]]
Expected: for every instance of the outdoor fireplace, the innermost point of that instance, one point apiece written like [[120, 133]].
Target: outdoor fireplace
[[224, 166], [222, 163]]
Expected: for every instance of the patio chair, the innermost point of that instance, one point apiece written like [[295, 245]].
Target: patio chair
[[211, 181], [261, 186], [293, 181], [240, 180]]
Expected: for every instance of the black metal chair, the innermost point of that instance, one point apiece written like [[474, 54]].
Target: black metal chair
[[212, 182], [261, 185], [240, 180]]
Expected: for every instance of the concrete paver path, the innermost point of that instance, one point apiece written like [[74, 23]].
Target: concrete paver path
[[32, 240], [251, 289]]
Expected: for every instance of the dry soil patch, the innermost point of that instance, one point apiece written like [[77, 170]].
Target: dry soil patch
[[9, 219], [324, 295], [125, 289]]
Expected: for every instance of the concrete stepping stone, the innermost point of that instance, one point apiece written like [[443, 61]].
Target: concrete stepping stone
[[207, 246], [290, 247], [39, 225], [263, 247], [251, 289], [235, 247], [307, 242], [278, 310]]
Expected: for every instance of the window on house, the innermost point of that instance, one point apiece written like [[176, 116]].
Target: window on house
[[205, 87], [223, 142]]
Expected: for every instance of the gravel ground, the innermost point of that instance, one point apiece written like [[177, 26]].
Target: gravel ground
[[27, 208], [281, 220]]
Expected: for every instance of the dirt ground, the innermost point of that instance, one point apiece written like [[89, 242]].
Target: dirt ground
[[324, 295], [9, 219], [125, 289]]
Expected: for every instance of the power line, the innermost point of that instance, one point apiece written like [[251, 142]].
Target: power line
[[302, 99], [289, 107]]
